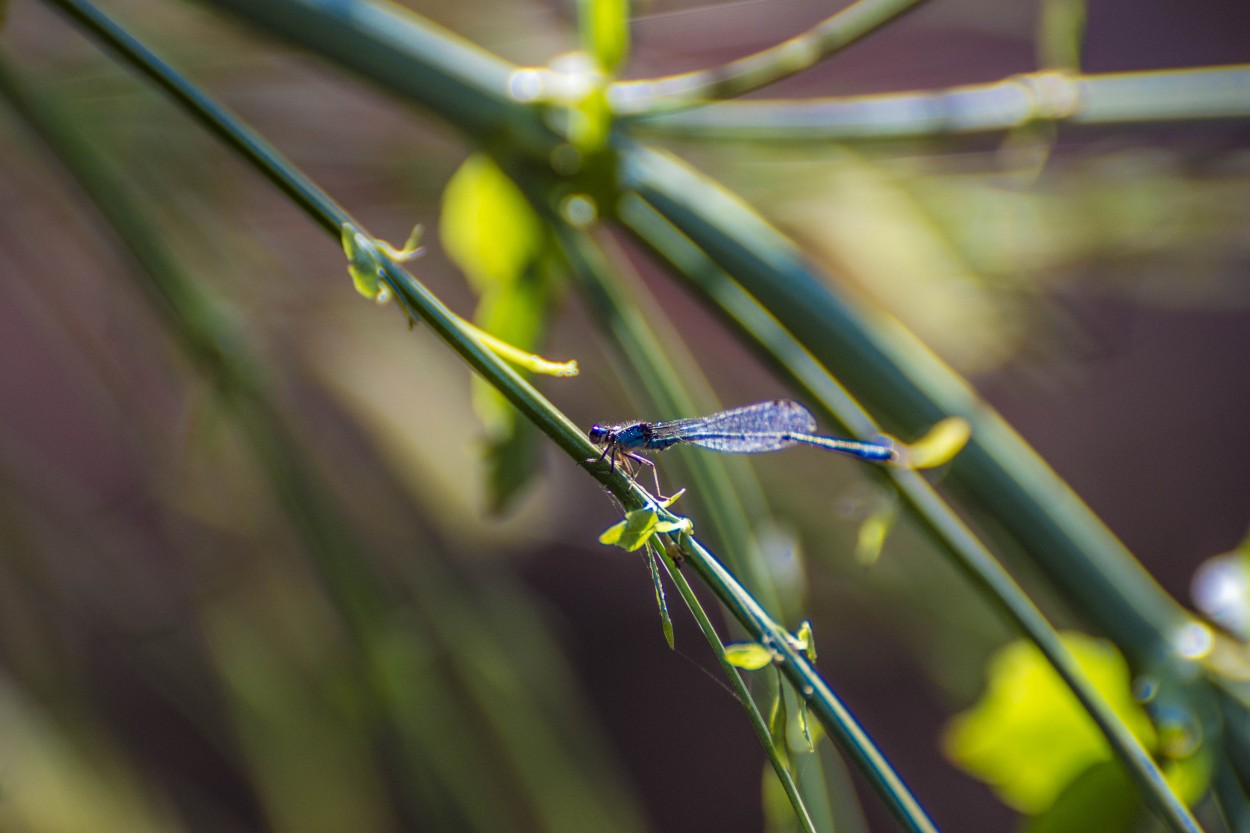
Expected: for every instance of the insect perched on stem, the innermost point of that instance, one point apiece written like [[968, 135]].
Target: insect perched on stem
[[751, 429]]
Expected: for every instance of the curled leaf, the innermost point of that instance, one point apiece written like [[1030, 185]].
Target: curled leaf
[[940, 445], [363, 264]]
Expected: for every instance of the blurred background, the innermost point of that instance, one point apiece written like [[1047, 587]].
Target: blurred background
[[277, 597]]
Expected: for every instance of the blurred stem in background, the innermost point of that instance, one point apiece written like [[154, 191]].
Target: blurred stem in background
[[450, 670]]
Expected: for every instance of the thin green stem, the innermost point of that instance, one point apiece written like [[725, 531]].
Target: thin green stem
[[1113, 99], [832, 714], [744, 697], [539, 781], [729, 494], [970, 554], [895, 377], [762, 68], [220, 121]]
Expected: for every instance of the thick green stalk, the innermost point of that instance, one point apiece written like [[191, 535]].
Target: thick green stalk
[[971, 556], [897, 378], [1127, 98]]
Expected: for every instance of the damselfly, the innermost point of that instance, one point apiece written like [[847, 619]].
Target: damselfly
[[751, 429]]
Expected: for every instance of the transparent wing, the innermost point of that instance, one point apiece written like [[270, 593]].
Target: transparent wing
[[751, 429]]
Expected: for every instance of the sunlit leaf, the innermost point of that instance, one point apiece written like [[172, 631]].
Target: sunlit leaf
[[943, 441], [488, 228], [750, 656], [1028, 737], [778, 811], [672, 498], [679, 525], [1190, 777], [633, 532]]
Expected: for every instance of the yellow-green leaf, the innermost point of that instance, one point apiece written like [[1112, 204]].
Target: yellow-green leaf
[[805, 640], [679, 525], [939, 446], [1028, 737], [363, 264], [488, 228], [633, 532], [666, 621], [750, 656]]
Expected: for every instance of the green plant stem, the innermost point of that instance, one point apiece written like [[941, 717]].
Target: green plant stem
[[1128, 98], [970, 554], [821, 700], [730, 500], [762, 68], [896, 377], [542, 782], [729, 494], [220, 122], [419, 303], [744, 697]]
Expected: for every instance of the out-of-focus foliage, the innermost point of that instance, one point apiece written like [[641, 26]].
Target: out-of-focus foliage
[[1030, 740], [494, 236]]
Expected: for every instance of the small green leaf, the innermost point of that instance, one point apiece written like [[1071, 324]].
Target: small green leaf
[[1028, 737], [939, 445], [666, 621], [805, 640], [804, 726], [363, 264], [779, 724], [750, 656], [667, 502], [631, 533], [488, 228], [679, 525], [612, 535]]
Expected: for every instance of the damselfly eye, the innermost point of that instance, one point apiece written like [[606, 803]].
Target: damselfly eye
[[598, 434]]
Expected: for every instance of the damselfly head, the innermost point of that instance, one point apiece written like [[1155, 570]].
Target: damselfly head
[[598, 434]]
